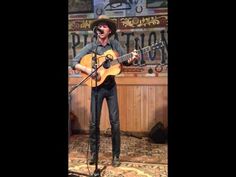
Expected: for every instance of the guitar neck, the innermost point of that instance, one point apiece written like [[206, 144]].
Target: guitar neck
[[129, 55]]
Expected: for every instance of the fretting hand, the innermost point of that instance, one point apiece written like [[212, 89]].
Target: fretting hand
[[135, 56]]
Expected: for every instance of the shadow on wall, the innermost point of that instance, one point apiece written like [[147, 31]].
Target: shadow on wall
[[73, 121], [75, 127], [76, 113]]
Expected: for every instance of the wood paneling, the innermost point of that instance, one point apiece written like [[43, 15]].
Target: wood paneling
[[142, 103]]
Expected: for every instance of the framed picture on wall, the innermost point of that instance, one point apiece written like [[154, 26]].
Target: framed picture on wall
[[80, 6], [156, 3]]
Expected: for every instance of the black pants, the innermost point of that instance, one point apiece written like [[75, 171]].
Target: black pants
[[111, 96]]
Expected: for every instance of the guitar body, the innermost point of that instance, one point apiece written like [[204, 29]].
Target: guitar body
[[104, 72]]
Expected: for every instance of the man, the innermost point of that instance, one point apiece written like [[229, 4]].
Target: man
[[104, 28]]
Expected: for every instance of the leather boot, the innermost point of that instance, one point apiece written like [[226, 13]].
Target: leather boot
[[115, 162], [92, 159]]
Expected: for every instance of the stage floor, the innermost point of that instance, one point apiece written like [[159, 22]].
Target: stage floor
[[139, 157]]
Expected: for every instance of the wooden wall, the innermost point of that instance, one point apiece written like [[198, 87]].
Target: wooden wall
[[142, 103]]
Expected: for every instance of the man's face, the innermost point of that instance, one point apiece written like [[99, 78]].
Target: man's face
[[106, 30]]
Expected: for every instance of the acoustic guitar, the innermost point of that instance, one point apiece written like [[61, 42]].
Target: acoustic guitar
[[110, 63]]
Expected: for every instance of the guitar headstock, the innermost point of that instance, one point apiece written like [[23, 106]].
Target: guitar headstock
[[157, 45]]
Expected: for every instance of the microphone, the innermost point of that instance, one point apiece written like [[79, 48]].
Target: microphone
[[95, 29]]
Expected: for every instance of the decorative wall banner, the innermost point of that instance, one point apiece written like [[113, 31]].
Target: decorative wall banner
[[143, 22], [118, 8], [127, 8], [115, 8], [130, 40], [155, 21], [156, 3], [80, 6]]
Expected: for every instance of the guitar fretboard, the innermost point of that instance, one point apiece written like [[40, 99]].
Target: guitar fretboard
[[129, 55]]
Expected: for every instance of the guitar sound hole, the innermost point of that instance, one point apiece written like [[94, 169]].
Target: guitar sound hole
[[107, 64]]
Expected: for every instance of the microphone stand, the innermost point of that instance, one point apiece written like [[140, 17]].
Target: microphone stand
[[97, 171]]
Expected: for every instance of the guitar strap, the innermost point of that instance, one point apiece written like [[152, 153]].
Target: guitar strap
[[94, 47]]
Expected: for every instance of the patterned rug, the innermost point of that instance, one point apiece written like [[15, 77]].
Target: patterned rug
[[139, 157]]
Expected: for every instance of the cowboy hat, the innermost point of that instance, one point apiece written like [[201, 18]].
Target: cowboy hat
[[104, 19]]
